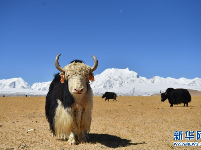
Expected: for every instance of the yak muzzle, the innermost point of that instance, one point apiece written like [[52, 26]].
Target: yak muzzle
[[78, 91]]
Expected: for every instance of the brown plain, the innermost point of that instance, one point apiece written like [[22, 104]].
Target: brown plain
[[130, 123]]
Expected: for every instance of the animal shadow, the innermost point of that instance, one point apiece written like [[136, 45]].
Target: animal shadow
[[111, 141], [183, 106]]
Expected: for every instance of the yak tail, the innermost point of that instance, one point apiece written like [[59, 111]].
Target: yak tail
[[116, 95], [189, 98]]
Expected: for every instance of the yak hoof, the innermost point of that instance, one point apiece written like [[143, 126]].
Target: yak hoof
[[72, 140], [82, 139], [83, 142]]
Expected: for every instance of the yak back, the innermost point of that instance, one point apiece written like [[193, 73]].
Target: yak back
[[77, 61], [177, 96], [169, 90]]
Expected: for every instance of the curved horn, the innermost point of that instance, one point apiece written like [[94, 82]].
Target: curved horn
[[95, 63], [57, 64]]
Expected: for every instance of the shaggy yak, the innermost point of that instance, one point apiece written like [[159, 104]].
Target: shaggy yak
[[176, 96], [110, 95], [69, 101]]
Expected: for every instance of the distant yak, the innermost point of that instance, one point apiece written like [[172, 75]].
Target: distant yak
[[176, 96], [110, 95]]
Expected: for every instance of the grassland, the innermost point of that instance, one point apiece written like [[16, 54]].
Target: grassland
[[130, 123]]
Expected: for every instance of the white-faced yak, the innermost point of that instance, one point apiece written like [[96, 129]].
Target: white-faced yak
[[69, 101], [176, 96]]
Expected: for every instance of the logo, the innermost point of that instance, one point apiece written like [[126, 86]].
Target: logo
[[189, 135]]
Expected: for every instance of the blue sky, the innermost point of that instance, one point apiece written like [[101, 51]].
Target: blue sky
[[151, 37]]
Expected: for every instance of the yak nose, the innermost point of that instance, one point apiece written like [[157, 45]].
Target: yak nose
[[78, 91]]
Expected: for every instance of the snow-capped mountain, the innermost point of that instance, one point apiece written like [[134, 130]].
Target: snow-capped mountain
[[18, 83], [126, 82], [44, 86], [111, 78], [195, 82], [121, 81], [17, 87]]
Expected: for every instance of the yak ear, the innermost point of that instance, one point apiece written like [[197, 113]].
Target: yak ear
[[91, 78], [62, 78]]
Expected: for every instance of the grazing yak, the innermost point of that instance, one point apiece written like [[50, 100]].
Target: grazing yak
[[110, 95], [176, 96], [69, 101]]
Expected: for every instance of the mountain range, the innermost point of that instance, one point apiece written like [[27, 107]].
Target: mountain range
[[122, 81]]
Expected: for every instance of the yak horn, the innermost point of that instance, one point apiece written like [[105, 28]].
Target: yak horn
[[95, 63], [57, 64]]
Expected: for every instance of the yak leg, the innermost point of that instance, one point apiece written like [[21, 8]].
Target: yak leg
[[85, 126], [186, 104], [171, 105], [63, 122], [74, 128], [72, 139]]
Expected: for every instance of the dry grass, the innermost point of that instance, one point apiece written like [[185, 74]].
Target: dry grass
[[129, 123]]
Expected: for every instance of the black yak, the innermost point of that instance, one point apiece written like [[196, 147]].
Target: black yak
[[176, 96], [110, 95]]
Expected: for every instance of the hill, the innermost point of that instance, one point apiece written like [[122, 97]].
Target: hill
[[124, 82]]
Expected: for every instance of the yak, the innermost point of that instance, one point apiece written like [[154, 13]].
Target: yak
[[176, 96], [110, 95], [69, 101]]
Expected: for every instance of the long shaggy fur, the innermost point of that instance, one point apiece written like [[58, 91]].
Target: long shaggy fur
[[69, 116], [57, 91], [176, 96]]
